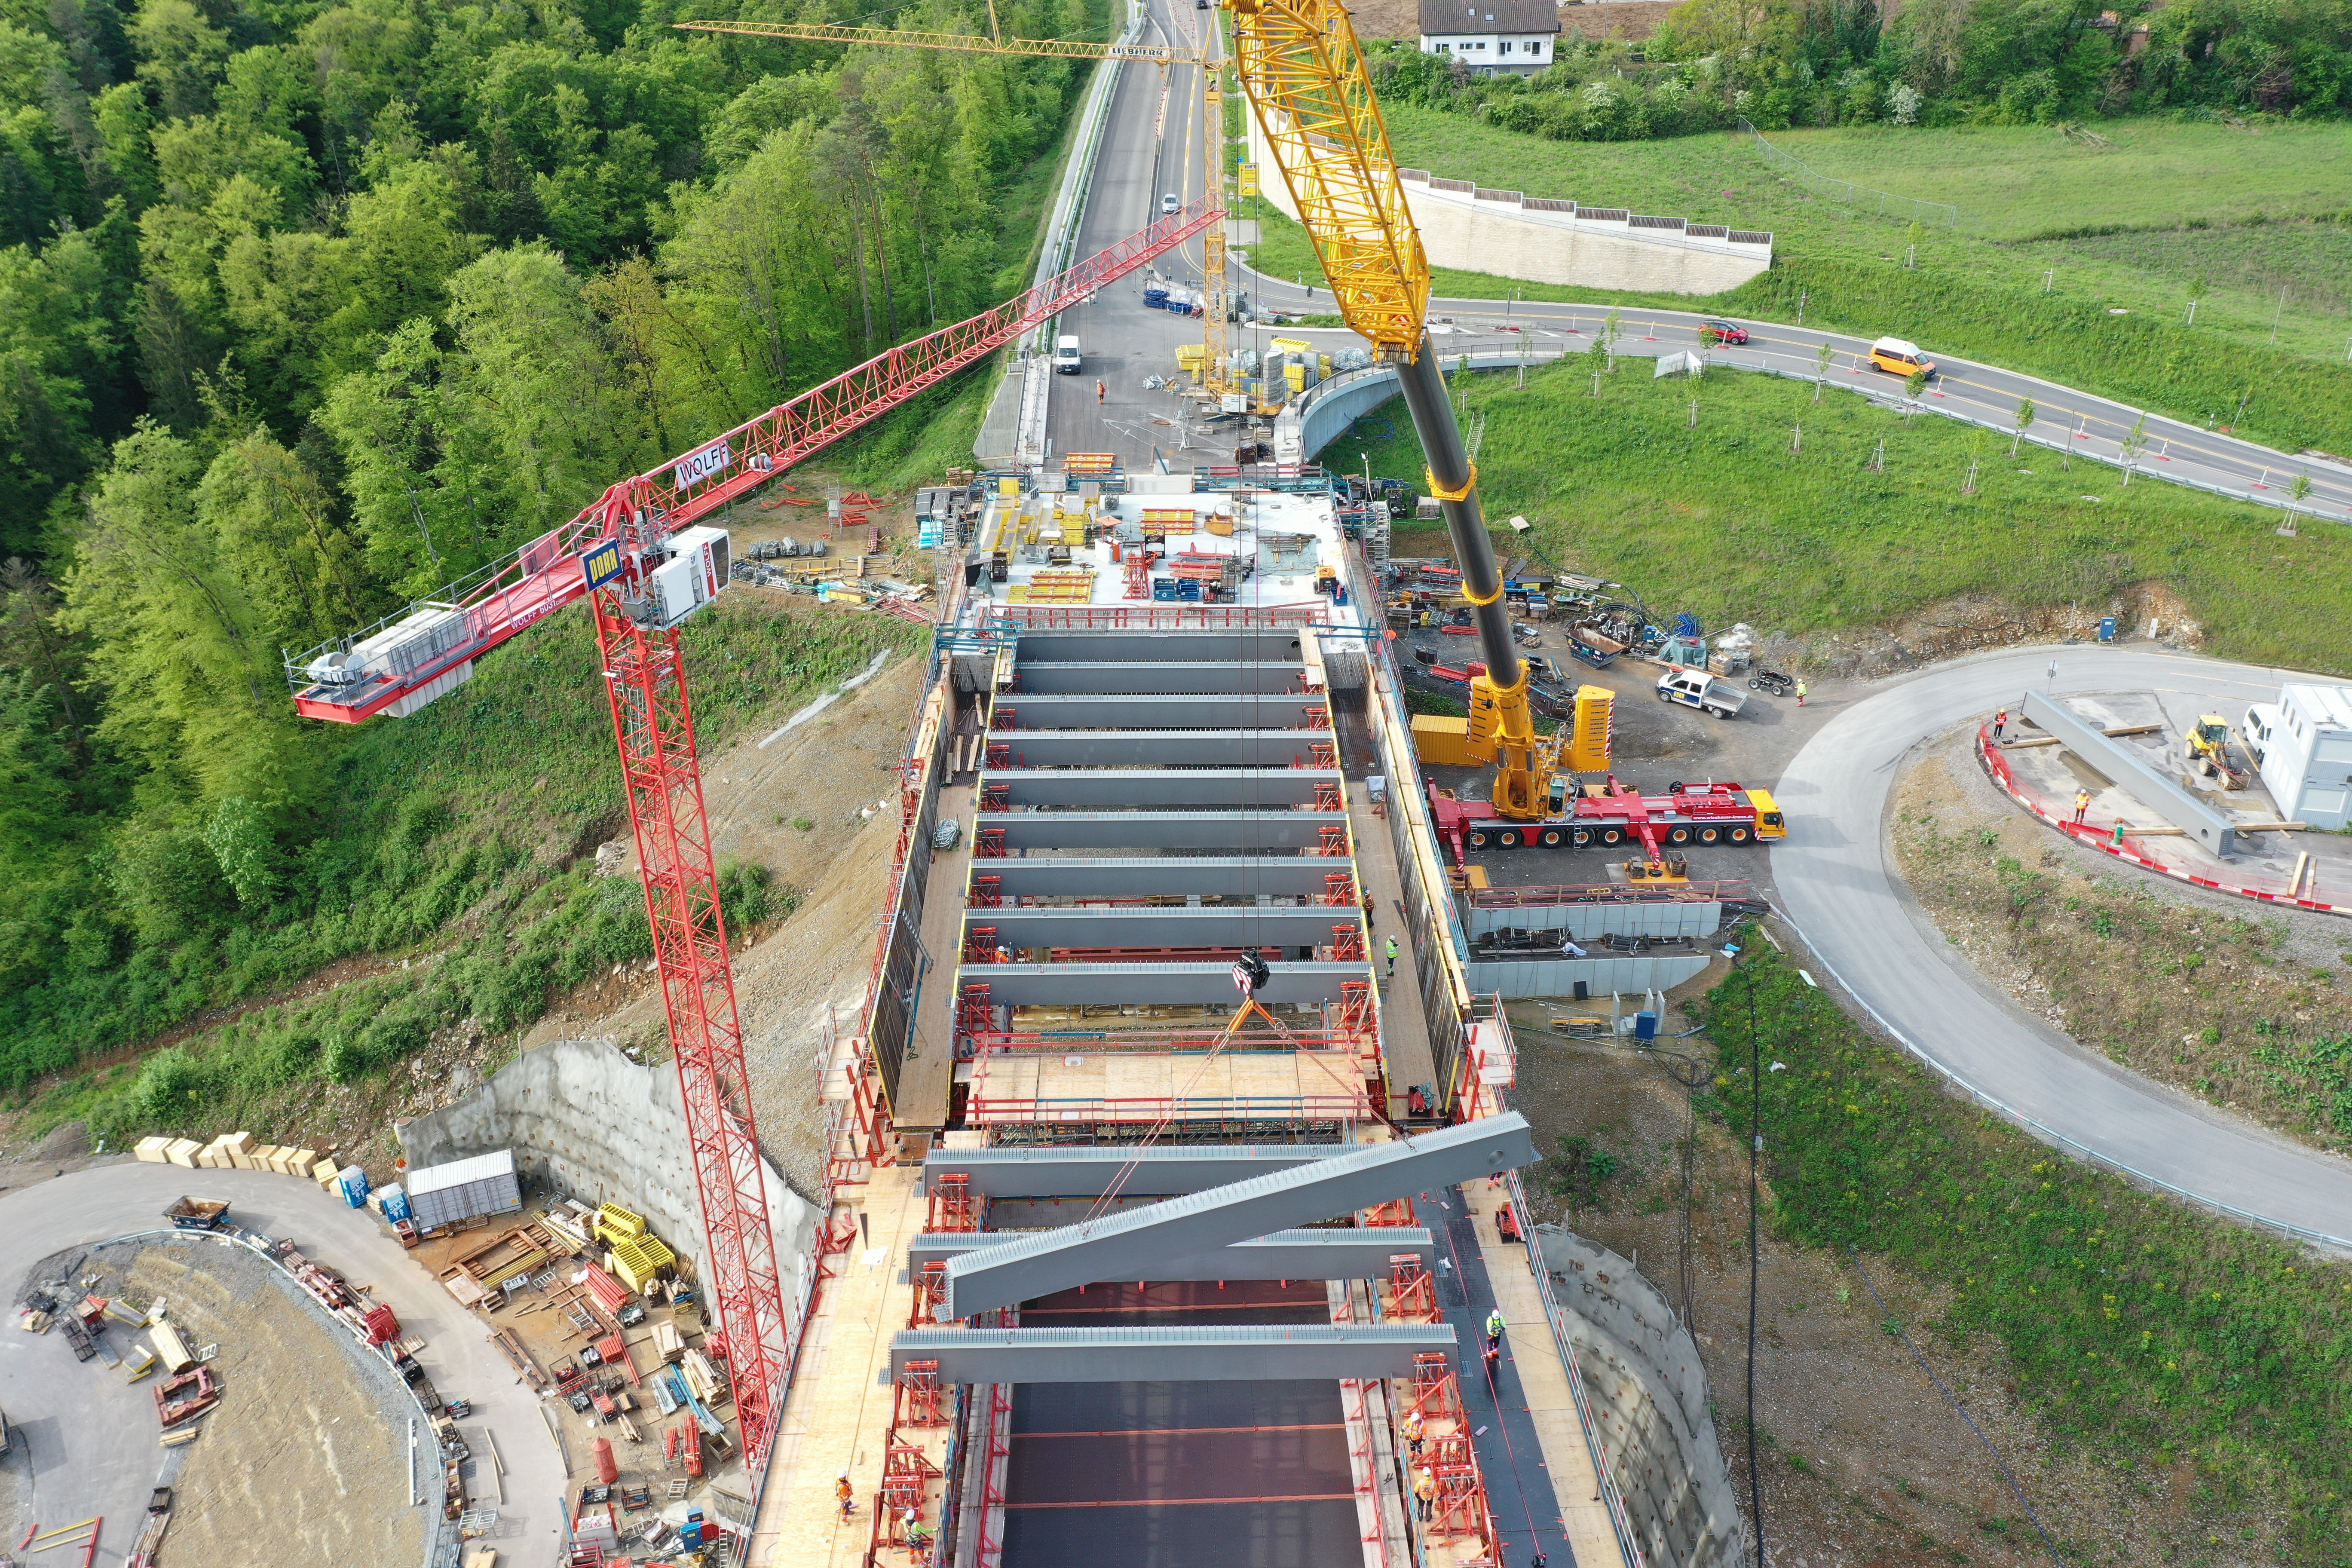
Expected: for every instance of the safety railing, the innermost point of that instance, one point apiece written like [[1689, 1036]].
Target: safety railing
[[1117, 1108]]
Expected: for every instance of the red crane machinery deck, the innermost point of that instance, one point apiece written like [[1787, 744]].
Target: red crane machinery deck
[[1614, 816]]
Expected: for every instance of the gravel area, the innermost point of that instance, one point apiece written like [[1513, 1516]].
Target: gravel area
[[305, 1458]]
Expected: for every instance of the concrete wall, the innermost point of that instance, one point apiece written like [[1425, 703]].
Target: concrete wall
[[1676, 917], [1519, 977], [585, 1121], [1649, 1398], [1498, 234]]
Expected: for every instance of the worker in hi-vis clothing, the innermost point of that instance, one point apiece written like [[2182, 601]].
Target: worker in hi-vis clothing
[[1391, 958]]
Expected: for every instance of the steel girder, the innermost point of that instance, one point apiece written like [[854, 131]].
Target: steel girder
[[1125, 1246], [1048, 877], [1238, 681], [1240, 1352], [1221, 925], [1088, 1171], [1107, 788], [2147, 784], [1152, 711], [1254, 645], [1207, 985], [1163, 830], [1156, 748], [1352, 1254]]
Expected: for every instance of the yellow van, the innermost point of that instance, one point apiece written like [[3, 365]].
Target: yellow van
[[1899, 358]]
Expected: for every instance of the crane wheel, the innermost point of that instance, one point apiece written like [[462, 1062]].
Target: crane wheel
[[1709, 834], [1678, 836], [1509, 839], [1739, 835], [1612, 835], [1580, 837], [1477, 838], [1551, 837]]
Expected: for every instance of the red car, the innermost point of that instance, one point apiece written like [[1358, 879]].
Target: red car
[[1730, 332]]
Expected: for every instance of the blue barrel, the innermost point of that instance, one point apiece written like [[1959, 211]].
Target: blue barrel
[[353, 1181]]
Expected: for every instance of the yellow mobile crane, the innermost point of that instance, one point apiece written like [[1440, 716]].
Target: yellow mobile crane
[[1308, 82]]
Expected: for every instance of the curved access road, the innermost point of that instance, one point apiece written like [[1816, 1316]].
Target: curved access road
[[89, 1438], [2091, 426], [1838, 888]]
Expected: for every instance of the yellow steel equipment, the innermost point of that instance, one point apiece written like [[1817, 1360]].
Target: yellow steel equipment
[[2207, 747]]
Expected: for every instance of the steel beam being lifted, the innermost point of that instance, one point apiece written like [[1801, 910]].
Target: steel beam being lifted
[[1107, 788], [1209, 985], [1180, 677], [1150, 710], [1285, 926], [1352, 1254], [1154, 748], [1087, 1170], [1124, 1245], [1204, 876], [1221, 1354], [1160, 831]]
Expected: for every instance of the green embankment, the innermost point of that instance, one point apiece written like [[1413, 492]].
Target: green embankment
[[1727, 521], [2140, 1333], [1980, 295]]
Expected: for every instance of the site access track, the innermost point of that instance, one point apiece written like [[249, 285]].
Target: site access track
[[1849, 905], [2092, 425]]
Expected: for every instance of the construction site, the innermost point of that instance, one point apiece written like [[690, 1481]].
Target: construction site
[[1137, 1165]]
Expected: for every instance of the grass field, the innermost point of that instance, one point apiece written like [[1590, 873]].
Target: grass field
[[2247, 210], [1725, 521], [2202, 1361]]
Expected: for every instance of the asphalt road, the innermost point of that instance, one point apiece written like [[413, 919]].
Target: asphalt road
[[91, 1438], [1836, 885], [2098, 426]]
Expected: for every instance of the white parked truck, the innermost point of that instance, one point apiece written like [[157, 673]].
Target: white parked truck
[[1698, 689], [1066, 355]]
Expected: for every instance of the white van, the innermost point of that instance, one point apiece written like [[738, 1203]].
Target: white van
[[1066, 355]]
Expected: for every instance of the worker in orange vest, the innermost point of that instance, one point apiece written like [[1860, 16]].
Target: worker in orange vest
[[1098, 390], [845, 1494], [2000, 723], [2082, 805], [1425, 1494], [1412, 1433]]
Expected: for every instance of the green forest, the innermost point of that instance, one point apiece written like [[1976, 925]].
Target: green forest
[[307, 308], [1783, 63]]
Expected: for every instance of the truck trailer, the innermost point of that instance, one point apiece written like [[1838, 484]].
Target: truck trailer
[[1611, 816]]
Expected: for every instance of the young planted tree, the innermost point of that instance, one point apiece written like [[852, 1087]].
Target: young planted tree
[[2133, 444], [2197, 289], [2025, 415], [1976, 458], [2298, 493], [1609, 330], [1822, 357], [1913, 385]]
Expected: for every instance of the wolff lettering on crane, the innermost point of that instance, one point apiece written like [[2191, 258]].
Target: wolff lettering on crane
[[700, 464]]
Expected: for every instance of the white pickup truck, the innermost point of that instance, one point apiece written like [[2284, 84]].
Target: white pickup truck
[[1698, 689]]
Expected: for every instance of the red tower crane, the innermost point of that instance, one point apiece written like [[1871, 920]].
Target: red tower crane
[[645, 565]]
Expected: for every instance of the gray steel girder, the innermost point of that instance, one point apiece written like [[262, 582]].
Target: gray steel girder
[[1209, 985], [1074, 1171], [1105, 788], [2148, 785], [1354, 1254], [1163, 830], [1124, 1245], [1154, 711], [1241, 683], [1047, 876], [1255, 643], [1238, 1352], [1156, 748], [1222, 925]]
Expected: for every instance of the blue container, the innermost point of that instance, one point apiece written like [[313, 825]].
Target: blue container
[[395, 1203], [353, 1181], [1188, 591], [1646, 1026], [2106, 628]]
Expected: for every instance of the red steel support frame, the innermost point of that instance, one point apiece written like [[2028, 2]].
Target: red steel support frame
[[654, 722]]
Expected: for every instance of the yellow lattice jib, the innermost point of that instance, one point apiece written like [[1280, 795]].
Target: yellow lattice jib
[[1308, 84]]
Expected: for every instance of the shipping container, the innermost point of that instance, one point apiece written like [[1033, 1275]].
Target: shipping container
[[464, 1189]]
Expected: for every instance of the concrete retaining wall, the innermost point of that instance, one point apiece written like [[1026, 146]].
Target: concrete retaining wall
[[585, 1121], [1499, 234], [1519, 977], [1649, 1398], [1583, 922]]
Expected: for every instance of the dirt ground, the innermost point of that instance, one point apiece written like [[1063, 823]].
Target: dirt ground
[[1864, 1461], [306, 1434], [2190, 988]]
